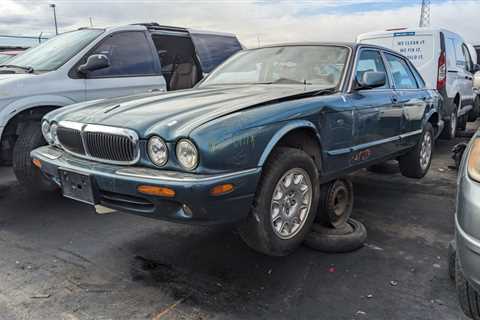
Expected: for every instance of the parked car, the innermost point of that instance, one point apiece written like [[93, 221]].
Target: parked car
[[7, 55], [251, 143], [444, 61], [90, 64], [467, 228]]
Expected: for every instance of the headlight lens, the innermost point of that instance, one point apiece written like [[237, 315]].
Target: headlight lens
[[46, 131], [157, 151], [474, 161], [187, 154]]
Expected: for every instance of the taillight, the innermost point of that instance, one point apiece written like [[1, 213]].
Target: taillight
[[442, 71]]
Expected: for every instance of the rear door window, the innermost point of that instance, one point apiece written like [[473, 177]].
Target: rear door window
[[130, 54], [402, 76], [213, 49]]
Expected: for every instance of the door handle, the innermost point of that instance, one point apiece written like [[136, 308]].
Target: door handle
[[154, 90], [394, 99]]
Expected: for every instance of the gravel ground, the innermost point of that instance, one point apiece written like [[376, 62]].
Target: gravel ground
[[59, 260]]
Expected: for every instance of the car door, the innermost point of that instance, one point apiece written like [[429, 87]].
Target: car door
[[133, 67], [411, 97], [378, 116], [468, 92]]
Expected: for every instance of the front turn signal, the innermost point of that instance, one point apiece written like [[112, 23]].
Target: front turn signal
[[473, 164], [156, 191], [221, 189]]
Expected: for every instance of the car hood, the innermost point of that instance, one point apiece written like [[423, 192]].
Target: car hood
[[177, 113]]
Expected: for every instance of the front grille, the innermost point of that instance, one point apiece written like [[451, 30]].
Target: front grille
[[109, 146], [71, 140], [100, 143]]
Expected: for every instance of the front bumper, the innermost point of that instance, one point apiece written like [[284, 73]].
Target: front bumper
[[467, 229], [116, 188]]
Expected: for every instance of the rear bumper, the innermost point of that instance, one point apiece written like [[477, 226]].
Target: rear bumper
[[116, 188]]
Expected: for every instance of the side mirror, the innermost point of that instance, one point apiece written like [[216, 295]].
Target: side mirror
[[371, 79], [476, 80], [94, 62]]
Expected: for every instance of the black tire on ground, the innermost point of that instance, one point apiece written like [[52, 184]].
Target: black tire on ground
[[336, 203], [349, 237], [410, 164], [462, 122], [467, 296], [258, 229], [450, 130], [27, 174], [388, 167]]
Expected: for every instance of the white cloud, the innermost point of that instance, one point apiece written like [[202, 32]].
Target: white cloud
[[269, 22]]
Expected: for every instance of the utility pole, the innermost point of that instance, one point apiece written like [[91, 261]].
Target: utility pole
[[91, 22], [53, 6], [425, 14]]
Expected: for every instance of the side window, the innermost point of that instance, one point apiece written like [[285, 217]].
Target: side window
[[459, 54], [370, 60], [401, 74], [468, 59], [213, 49], [130, 55]]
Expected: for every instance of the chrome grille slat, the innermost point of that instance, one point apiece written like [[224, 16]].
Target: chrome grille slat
[[102, 143]]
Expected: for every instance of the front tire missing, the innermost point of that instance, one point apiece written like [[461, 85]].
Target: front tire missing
[[416, 162], [261, 231]]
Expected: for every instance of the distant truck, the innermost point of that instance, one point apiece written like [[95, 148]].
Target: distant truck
[[444, 61], [93, 63]]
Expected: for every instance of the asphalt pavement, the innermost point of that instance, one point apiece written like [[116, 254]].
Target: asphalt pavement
[[60, 260]]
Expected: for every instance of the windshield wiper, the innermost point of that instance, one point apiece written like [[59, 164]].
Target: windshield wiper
[[27, 68], [325, 91], [285, 80]]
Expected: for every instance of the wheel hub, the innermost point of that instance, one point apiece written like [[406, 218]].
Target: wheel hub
[[426, 150], [291, 202]]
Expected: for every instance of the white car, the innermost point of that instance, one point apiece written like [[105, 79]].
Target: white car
[[94, 63], [444, 61]]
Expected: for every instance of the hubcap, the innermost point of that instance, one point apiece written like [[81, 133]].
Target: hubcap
[[291, 202], [426, 150], [453, 121]]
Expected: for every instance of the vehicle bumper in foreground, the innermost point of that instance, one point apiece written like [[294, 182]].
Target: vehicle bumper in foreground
[[467, 229], [115, 187]]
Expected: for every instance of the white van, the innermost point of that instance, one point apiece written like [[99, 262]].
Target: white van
[[445, 63]]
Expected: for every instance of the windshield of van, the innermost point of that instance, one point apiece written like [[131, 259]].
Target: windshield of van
[[53, 53], [303, 65]]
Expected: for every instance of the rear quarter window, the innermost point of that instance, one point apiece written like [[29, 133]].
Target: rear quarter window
[[213, 49]]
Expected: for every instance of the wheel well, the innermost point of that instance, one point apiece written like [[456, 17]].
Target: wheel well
[[456, 100], [15, 125], [304, 139], [434, 120]]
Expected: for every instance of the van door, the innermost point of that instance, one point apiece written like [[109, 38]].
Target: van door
[[133, 67], [468, 95]]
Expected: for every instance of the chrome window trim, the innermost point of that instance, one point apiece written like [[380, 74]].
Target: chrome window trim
[[83, 127]]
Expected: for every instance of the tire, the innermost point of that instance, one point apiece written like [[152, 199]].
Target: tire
[[416, 162], [351, 236], [450, 130], [336, 203], [462, 123], [258, 229], [468, 297], [475, 112], [29, 176]]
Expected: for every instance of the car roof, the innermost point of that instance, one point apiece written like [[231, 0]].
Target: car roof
[[352, 45], [414, 29]]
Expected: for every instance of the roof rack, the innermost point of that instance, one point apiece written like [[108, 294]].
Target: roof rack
[[156, 26]]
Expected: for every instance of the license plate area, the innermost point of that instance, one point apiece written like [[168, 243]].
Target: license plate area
[[77, 186]]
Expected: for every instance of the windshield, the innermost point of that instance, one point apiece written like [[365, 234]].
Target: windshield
[[53, 53], [305, 65], [4, 57]]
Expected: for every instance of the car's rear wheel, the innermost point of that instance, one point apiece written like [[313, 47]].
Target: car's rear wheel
[[450, 130], [468, 297], [416, 162], [462, 122], [285, 203], [29, 176]]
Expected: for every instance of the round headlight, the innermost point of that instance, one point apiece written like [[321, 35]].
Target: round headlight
[[157, 151], [54, 135], [46, 131], [187, 154]]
